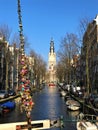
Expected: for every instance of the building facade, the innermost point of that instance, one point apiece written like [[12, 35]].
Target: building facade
[[9, 66], [89, 56]]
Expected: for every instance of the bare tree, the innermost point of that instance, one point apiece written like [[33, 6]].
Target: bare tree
[[60, 71], [83, 24], [68, 49], [39, 67], [5, 31], [16, 40]]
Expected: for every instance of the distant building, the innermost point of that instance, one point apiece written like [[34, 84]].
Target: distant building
[[52, 63]]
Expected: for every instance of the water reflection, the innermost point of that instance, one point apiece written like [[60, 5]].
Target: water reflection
[[52, 103], [49, 104]]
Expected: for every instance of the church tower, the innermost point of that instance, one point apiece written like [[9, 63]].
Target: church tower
[[52, 62]]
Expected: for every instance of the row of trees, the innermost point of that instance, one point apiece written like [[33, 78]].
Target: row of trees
[[39, 68], [70, 47]]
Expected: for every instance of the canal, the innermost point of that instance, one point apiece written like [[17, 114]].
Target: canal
[[48, 105]]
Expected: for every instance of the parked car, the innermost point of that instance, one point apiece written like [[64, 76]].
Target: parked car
[[4, 94], [11, 92]]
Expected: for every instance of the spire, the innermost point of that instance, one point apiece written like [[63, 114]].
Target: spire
[[51, 46]]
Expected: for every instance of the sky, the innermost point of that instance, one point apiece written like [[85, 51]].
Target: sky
[[46, 19]]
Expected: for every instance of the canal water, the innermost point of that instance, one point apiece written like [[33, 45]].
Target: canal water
[[48, 105]]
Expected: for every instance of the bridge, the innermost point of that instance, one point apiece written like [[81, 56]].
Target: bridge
[[35, 125]]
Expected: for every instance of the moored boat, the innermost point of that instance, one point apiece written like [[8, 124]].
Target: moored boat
[[73, 105], [87, 122], [7, 106]]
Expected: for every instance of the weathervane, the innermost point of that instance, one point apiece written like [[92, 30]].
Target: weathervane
[[24, 83]]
